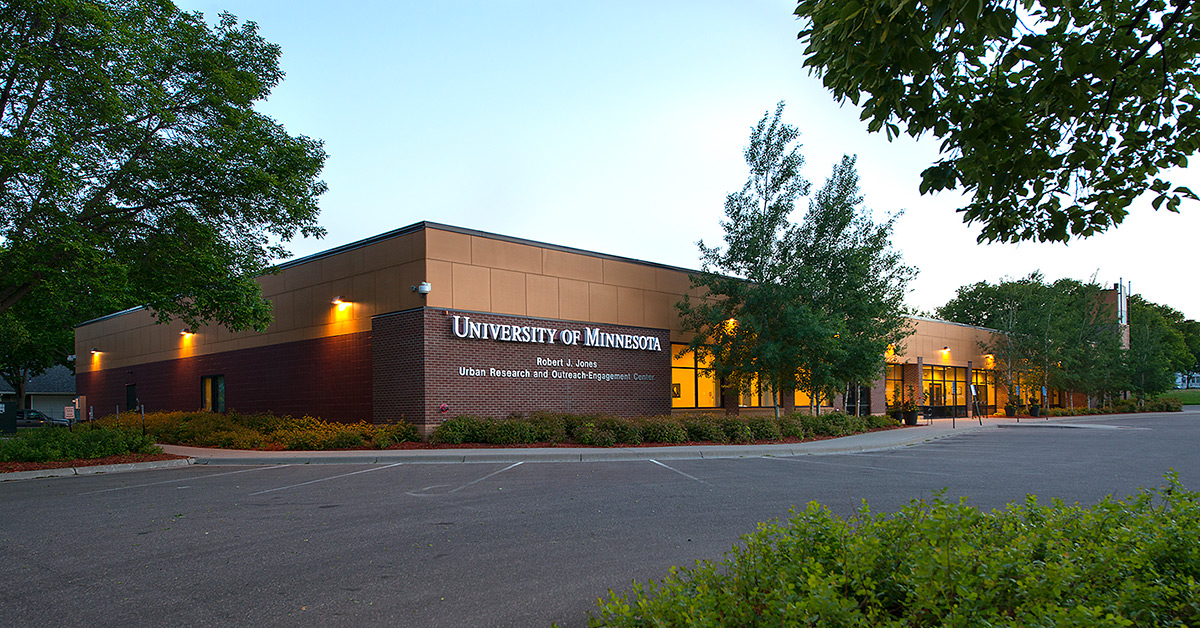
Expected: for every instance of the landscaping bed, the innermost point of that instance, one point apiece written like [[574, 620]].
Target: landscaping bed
[[12, 467]]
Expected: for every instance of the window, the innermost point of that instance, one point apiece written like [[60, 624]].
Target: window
[[212, 393], [984, 383], [894, 384], [692, 384]]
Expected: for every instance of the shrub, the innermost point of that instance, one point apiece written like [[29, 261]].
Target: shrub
[[623, 430], [790, 426], [1118, 563], [460, 429], [704, 428], [384, 436], [595, 436], [877, 421], [736, 430], [47, 444], [1163, 404], [764, 428], [663, 429], [832, 424], [551, 427]]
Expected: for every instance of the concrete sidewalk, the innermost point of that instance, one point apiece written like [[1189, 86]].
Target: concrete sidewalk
[[871, 441]]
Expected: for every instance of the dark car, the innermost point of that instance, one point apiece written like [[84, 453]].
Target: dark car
[[35, 418]]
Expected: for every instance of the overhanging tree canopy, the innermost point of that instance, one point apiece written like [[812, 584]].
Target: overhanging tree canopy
[[1054, 115], [132, 160]]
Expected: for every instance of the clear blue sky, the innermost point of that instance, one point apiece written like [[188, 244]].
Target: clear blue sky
[[618, 127]]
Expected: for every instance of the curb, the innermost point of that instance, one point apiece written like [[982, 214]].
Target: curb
[[94, 470], [616, 454]]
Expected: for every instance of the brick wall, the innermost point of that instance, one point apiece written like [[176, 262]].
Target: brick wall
[[326, 377], [483, 392], [398, 358]]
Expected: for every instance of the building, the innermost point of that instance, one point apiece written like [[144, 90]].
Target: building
[[50, 393], [432, 321]]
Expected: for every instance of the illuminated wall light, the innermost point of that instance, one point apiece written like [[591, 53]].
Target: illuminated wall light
[[945, 349], [95, 351], [186, 333], [341, 305]]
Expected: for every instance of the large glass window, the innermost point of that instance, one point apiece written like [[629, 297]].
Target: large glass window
[[693, 384], [984, 382], [946, 389], [894, 383]]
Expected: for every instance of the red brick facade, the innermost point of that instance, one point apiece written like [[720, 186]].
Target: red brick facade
[[327, 377], [496, 377]]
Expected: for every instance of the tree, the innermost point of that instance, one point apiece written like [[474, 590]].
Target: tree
[[808, 306], [1157, 349], [1055, 116], [854, 281], [750, 313], [133, 163]]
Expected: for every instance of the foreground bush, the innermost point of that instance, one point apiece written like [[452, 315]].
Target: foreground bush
[[1118, 563], [52, 443], [233, 430], [607, 431]]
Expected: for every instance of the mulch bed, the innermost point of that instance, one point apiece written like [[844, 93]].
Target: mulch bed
[[9, 467]]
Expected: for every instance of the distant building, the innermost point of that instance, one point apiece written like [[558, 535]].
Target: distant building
[[49, 392]]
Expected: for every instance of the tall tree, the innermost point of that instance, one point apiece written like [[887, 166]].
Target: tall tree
[[1056, 116], [847, 271], [749, 314], [808, 306], [1157, 349], [132, 160]]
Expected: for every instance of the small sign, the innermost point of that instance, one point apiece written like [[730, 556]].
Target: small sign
[[69, 413]]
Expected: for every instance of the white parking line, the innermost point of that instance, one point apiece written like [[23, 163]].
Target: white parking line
[[858, 466], [690, 477], [344, 475], [515, 464], [211, 475]]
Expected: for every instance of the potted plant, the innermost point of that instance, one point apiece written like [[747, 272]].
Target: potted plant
[[909, 407]]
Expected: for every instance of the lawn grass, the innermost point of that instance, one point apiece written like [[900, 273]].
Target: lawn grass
[[1189, 397]]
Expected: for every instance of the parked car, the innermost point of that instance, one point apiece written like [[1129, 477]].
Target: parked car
[[36, 418]]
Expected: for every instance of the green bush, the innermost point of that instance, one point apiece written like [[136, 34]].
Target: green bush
[[877, 421], [704, 428], [736, 430], [1118, 563], [259, 431], [623, 430], [460, 429], [551, 427], [764, 428], [833, 424], [1163, 404], [790, 426], [663, 429], [593, 436], [49, 444]]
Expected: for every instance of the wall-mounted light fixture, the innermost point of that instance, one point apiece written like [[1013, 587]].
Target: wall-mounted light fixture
[[186, 333], [95, 351], [341, 305], [422, 288], [945, 349]]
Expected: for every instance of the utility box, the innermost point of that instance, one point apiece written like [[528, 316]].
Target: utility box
[[8, 418]]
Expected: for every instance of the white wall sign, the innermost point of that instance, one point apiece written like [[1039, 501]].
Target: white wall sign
[[588, 336]]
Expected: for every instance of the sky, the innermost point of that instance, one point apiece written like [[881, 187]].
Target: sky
[[618, 127]]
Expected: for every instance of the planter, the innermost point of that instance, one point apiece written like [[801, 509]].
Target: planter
[[910, 417], [1010, 411], [1035, 410]]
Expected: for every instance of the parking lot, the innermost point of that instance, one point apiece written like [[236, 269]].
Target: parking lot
[[512, 543]]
